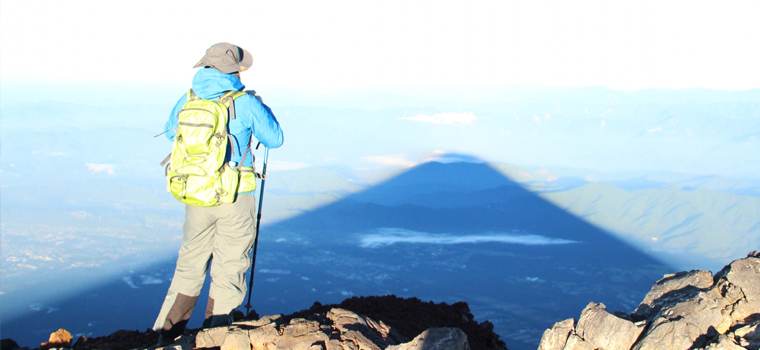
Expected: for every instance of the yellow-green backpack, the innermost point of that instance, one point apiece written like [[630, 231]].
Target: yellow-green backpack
[[197, 173]]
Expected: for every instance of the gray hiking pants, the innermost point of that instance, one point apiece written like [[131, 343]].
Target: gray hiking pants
[[224, 233]]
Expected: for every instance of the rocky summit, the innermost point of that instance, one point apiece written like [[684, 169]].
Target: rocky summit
[[688, 310], [693, 310], [338, 329], [359, 323]]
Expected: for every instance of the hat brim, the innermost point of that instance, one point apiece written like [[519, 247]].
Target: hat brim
[[247, 60], [244, 64]]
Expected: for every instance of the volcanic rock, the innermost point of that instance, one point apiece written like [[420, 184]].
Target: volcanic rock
[[662, 292], [210, 338], [749, 336], [380, 322], [236, 339], [411, 317], [338, 329], [687, 310], [557, 336], [724, 343], [574, 342], [58, 339], [8, 344], [120, 340], [436, 339], [80, 341], [740, 282], [605, 330]]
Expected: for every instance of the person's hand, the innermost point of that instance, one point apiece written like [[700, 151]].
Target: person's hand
[[253, 92]]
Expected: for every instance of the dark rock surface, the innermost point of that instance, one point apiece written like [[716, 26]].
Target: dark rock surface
[[688, 310], [8, 343], [410, 317], [119, 340], [380, 322]]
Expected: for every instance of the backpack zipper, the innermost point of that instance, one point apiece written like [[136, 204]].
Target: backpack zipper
[[200, 125], [194, 109]]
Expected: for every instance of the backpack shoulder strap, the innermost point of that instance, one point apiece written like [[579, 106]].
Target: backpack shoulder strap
[[191, 95], [227, 99]]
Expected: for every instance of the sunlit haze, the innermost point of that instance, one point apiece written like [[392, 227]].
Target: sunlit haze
[[361, 44]]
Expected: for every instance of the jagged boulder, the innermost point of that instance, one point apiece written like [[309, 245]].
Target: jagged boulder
[[361, 329], [338, 329], [687, 310], [574, 342], [557, 336], [724, 343], [448, 338], [58, 339], [604, 330], [685, 324], [596, 329], [672, 288], [749, 336], [741, 278]]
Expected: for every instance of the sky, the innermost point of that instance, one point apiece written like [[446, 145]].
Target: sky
[[346, 45]]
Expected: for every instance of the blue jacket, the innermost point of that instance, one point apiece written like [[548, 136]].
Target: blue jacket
[[251, 116]]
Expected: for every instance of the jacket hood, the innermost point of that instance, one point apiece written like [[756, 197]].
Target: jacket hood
[[210, 83]]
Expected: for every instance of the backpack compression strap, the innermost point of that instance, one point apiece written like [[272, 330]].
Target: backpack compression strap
[[253, 164]]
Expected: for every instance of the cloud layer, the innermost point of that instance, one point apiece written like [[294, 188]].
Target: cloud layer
[[389, 236], [445, 118], [282, 165], [394, 159], [441, 156], [96, 168]]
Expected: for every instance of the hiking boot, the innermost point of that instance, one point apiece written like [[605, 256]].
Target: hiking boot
[[218, 321], [165, 339]]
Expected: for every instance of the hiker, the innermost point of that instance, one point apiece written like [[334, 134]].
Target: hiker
[[219, 236]]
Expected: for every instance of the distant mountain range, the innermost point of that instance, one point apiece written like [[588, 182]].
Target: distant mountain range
[[684, 225]]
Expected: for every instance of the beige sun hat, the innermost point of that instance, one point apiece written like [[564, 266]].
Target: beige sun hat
[[226, 58]]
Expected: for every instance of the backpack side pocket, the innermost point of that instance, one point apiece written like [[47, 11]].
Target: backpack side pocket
[[247, 179]]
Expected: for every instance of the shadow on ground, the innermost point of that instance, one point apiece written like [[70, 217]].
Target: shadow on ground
[[442, 232]]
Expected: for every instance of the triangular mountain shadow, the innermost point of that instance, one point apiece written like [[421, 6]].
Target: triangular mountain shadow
[[459, 199], [442, 232]]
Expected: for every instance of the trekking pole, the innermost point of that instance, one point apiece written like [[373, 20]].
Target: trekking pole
[[248, 306]]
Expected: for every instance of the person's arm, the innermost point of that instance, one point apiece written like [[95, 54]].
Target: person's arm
[[263, 123], [171, 124]]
